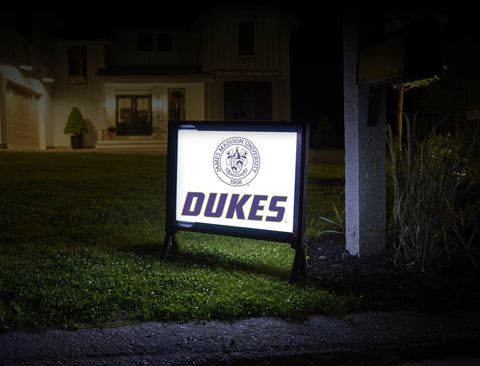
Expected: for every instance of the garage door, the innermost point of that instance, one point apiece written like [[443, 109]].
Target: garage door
[[22, 118]]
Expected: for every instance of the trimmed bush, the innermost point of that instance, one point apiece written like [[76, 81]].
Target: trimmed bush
[[76, 123]]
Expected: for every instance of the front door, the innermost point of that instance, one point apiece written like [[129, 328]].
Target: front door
[[134, 115]]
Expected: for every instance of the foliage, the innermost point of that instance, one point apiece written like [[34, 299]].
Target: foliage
[[428, 182], [326, 192], [338, 222], [76, 123], [404, 87], [323, 135], [81, 239], [422, 83]]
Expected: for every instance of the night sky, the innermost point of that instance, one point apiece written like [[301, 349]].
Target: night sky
[[317, 67]]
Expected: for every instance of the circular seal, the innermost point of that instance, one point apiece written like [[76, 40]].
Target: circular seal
[[236, 161]]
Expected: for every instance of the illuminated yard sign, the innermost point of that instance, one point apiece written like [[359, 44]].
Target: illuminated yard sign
[[243, 179]]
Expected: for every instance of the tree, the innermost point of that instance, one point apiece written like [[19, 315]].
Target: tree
[[396, 19], [402, 88]]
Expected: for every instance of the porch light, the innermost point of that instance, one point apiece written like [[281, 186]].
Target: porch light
[[157, 103], [110, 103], [26, 67]]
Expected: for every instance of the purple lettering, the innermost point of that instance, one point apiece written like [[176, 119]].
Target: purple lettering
[[237, 206], [187, 208], [274, 208], [256, 207], [216, 203], [211, 202]]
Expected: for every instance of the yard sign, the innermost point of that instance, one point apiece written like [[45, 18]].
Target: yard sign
[[243, 179]]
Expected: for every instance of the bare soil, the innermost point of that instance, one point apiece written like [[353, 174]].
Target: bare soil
[[386, 284]]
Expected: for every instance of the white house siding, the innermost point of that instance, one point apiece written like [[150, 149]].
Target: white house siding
[[186, 49], [270, 61], [196, 110], [25, 99], [162, 70], [194, 100], [203, 58], [221, 50], [86, 97]]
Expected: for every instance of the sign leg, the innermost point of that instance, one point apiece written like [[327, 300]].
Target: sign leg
[[164, 252], [166, 244], [299, 265]]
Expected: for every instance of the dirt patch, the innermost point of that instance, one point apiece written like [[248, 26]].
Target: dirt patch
[[388, 285]]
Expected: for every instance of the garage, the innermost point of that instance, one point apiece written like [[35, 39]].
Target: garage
[[22, 117]]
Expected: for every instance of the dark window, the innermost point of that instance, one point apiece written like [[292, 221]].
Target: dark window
[[176, 104], [24, 26], [164, 42], [145, 42], [246, 39], [248, 101], [77, 65]]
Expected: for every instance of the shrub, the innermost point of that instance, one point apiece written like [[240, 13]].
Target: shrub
[[428, 182], [323, 136], [76, 123]]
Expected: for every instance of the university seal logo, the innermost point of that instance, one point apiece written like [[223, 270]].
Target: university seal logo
[[236, 161]]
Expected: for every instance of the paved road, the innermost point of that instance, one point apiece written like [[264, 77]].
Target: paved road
[[448, 361], [363, 339]]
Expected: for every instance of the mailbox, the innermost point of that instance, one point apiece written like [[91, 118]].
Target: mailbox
[[412, 53]]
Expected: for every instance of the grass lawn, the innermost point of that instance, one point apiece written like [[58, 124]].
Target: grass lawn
[[80, 240]]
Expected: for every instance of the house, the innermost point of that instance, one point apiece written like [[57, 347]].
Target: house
[[228, 64]]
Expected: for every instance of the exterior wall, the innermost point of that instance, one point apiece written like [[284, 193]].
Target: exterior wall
[[86, 97], [25, 100], [186, 50], [22, 118], [194, 101], [202, 59], [195, 111], [270, 61], [220, 42], [281, 110]]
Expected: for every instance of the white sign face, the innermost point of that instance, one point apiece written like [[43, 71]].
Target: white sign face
[[237, 178]]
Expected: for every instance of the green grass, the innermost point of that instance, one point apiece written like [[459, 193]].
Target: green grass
[[80, 240]]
